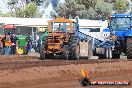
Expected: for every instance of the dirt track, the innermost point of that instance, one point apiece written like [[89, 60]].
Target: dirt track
[[33, 73]]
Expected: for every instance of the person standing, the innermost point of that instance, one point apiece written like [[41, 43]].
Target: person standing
[[7, 44], [14, 40], [29, 42], [3, 44]]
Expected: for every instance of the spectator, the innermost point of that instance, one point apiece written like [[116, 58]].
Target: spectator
[[7, 44], [3, 44], [14, 40], [29, 42], [1, 41], [1, 48]]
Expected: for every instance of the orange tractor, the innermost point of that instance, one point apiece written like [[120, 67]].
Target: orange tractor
[[62, 39]]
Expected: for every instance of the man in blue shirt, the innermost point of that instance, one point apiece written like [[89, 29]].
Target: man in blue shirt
[[14, 40]]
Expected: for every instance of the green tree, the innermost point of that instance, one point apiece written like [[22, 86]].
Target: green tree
[[103, 9], [71, 9], [92, 9], [87, 3], [25, 9], [91, 14], [12, 4], [30, 11], [121, 6], [53, 14], [43, 3]]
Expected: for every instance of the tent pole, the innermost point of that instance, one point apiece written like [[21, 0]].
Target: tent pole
[[13, 29], [32, 34], [3, 30], [36, 34]]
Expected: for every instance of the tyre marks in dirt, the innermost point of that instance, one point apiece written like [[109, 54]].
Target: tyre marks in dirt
[[34, 63]]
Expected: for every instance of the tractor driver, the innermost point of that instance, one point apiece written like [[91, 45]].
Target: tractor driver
[[112, 35], [59, 28]]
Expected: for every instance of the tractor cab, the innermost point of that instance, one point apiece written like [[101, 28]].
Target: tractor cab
[[58, 33], [121, 23], [61, 25]]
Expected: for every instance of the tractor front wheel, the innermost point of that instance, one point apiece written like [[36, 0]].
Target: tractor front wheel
[[74, 47], [65, 52], [74, 50], [115, 54]]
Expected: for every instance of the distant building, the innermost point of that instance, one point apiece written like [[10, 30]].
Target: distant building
[[25, 26]]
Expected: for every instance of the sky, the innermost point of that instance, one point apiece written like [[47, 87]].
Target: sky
[[3, 6], [4, 9]]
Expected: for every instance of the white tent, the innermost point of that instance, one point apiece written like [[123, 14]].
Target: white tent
[[29, 22], [40, 22]]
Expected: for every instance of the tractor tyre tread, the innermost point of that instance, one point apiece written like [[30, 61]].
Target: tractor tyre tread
[[129, 47], [72, 48]]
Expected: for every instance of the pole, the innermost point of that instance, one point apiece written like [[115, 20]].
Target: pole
[[32, 34], [53, 26], [3, 29], [13, 29], [93, 43], [36, 33]]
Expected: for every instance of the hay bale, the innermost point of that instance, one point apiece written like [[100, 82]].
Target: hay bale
[[84, 49]]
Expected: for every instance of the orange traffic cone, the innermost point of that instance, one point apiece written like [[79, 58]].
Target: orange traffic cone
[[17, 54]]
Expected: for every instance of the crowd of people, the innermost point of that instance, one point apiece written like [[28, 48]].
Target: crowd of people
[[8, 44]]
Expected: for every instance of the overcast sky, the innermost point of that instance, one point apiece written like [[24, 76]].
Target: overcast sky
[[3, 6]]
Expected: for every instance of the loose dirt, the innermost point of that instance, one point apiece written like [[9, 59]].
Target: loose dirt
[[33, 73]]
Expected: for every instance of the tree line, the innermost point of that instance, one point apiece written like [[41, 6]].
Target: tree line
[[85, 9], [91, 9]]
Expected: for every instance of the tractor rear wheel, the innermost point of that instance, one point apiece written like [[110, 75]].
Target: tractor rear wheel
[[74, 48], [42, 52], [129, 47]]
